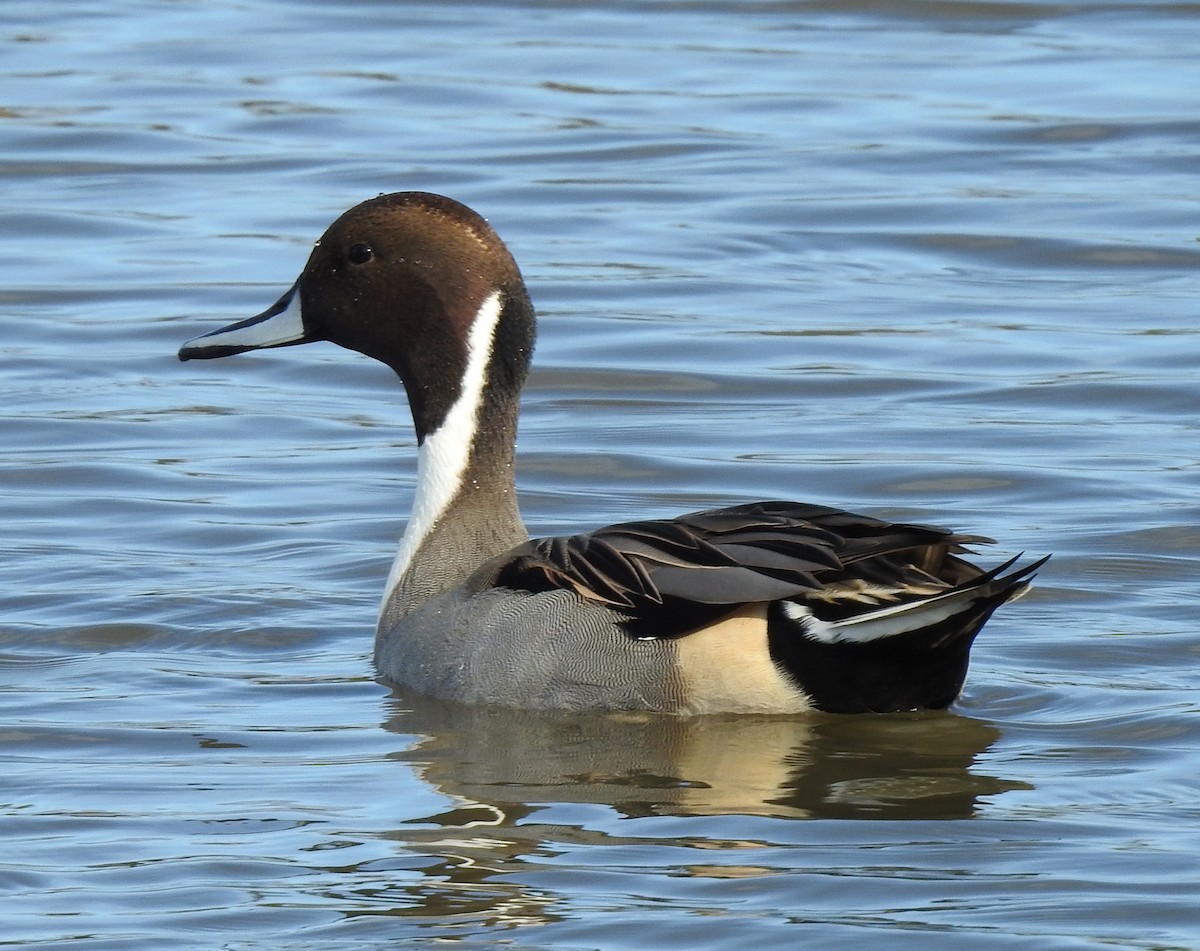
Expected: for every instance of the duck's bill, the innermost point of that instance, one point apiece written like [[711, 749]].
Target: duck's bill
[[279, 326]]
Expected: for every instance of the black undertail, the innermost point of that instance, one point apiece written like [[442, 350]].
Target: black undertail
[[922, 669]]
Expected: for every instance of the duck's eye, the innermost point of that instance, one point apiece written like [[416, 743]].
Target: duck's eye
[[360, 253]]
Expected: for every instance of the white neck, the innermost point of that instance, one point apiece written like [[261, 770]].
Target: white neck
[[443, 457]]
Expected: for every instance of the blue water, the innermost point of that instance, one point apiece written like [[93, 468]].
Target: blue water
[[929, 260]]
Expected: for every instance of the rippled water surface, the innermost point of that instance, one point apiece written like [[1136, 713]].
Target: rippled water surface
[[934, 260]]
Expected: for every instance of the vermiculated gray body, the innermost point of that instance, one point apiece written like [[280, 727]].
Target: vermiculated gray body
[[548, 650]]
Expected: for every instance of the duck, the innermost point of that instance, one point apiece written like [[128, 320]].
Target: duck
[[769, 607]]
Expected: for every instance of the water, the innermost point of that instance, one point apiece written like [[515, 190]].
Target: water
[[929, 260]]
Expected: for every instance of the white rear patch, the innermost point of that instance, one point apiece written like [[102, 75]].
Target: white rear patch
[[442, 457], [727, 668], [886, 622]]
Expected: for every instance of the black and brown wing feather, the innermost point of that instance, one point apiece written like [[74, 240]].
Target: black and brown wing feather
[[669, 577]]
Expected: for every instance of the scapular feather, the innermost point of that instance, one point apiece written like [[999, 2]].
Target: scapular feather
[[668, 575]]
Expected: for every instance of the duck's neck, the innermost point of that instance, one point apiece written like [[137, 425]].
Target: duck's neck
[[465, 506]]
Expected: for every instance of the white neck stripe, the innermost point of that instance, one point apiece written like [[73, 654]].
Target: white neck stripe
[[443, 456]]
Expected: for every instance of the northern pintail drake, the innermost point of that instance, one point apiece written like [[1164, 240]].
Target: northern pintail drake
[[769, 607]]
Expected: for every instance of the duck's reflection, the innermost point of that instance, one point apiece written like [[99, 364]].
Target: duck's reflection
[[507, 762], [501, 768]]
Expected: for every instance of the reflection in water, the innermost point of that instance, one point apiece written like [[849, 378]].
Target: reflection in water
[[502, 767], [507, 761]]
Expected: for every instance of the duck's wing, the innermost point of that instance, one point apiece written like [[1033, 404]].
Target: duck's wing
[[666, 578]]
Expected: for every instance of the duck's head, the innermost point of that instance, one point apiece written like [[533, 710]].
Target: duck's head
[[405, 278]]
